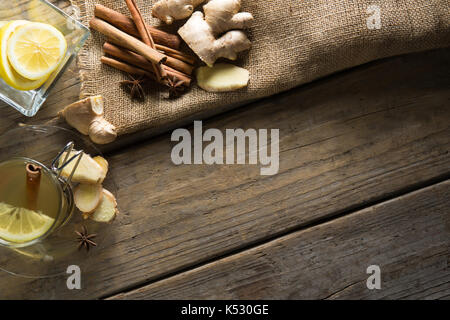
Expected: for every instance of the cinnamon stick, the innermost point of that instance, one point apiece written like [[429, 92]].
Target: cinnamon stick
[[33, 184], [127, 25], [176, 64], [126, 67], [127, 41], [146, 37], [140, 62], [176, 54], [179, 65]]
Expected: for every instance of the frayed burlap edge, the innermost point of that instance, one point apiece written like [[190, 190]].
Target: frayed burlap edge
[[84, 51], [315, 44]]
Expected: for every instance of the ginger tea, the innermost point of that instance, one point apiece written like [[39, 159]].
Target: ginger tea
[[20, 224]]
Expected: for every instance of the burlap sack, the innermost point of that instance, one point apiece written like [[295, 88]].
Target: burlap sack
[[294, 42]]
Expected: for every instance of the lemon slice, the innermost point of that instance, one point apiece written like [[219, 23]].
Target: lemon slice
[[21, 225], [2, 23], [7, 73], [36, 49]]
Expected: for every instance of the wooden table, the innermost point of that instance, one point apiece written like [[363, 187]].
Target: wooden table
[[364, 180]]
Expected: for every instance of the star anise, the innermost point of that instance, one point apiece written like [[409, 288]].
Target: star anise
[[134, 86], [85, 239], [175, 86]]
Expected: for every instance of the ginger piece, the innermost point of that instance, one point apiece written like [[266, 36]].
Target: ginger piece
[[199, 37], [80, 114], [200, 31], [222, 77], [171, 10], [103, 163], [102, 132], [87, 117], [224, 15], [87, 197], [107, 210], [87, 172]]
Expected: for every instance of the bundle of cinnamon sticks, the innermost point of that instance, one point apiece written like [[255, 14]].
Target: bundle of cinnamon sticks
[[139, 49]]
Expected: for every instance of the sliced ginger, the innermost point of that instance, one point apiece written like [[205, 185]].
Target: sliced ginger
[[107, 210], [222, 77], [90, 197], [87, 197], [87, 172], [103, 163]]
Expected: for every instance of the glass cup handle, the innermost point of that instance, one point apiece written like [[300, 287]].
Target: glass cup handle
[[59, 168]]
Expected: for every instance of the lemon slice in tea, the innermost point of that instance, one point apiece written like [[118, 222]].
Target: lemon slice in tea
[[7, 73], [36, 49], [21, 225]]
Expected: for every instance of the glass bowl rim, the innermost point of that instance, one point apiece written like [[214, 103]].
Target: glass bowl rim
[[78, 23], [35, 107]]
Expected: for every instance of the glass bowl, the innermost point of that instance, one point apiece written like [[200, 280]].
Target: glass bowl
[[29, 102]]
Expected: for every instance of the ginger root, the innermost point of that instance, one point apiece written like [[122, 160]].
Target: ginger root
[[87, 197], [107, 210], [224, 15], [222, 77], [87, 117], [200, 31], [171, 10], [87, 172]]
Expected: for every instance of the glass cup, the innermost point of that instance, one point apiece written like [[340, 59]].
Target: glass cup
[[61, 201], [53, 252], [29, 102]]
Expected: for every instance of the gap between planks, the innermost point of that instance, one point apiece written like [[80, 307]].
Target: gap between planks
[[207, 276], [421, 106], [444, 179]]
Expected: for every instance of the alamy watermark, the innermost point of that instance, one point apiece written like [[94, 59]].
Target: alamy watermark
[[374, 280], [374, 20], [190, 150], [74, 279]]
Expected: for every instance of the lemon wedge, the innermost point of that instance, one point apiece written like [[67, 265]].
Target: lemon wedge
[[7, 73], [21, 225], [2, 23], [36, 49]]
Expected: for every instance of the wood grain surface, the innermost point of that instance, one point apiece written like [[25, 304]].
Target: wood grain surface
[[346, 142], [407, 237]]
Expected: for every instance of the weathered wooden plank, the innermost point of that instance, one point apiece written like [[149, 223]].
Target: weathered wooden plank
[[345, 142], [407, 237]]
